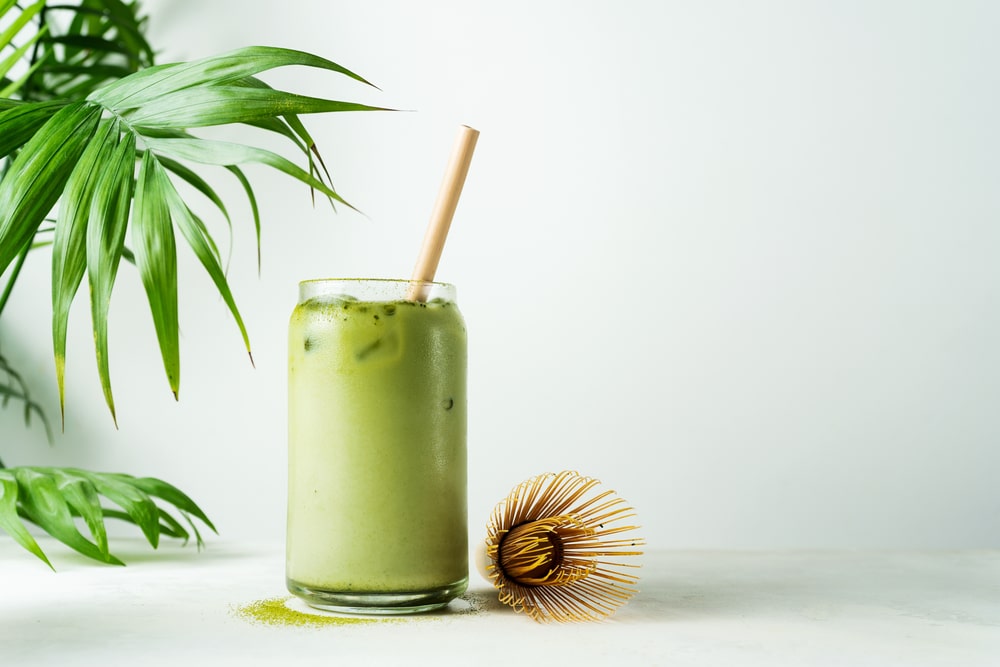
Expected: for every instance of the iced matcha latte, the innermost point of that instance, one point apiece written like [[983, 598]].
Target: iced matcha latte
[[377, 449]]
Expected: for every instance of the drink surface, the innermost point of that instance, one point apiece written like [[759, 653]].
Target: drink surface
[[377, 445]]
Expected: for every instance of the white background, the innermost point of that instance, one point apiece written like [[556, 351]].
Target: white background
[[737, 260]]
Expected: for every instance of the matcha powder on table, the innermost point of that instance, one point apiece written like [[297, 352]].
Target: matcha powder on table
[[275, 611]]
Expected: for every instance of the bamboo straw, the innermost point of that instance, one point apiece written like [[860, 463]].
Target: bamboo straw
[[444, 211]]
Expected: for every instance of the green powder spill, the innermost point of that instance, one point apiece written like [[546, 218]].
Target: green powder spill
[[276, 612]]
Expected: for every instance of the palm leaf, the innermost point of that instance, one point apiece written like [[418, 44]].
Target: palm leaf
[[16, 56], [202, 186], [36, 177], [156, 258], [252, 200], [128, 25], [169, 526], [91, 43], [61, 151], [10, 522], [149, 85], [111, 20], [226, 154], [103, 40], [197, 236], [20, 21], [99, 71], [52, 498], [198, 183], [106, 227], [69, 251], [159, 102], [138, 505], [219, 105], [20, 122], [16, 85], [160, 489], [42, 503], [83, 500]]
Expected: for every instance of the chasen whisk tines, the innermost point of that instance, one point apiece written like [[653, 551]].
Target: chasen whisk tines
[[555, 549]]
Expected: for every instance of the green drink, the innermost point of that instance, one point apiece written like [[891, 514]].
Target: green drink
[[377, 447]]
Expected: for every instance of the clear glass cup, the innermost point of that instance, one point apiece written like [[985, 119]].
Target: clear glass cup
[[377, 519]]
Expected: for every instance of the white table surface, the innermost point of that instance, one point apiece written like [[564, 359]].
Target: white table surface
[[180, 607]]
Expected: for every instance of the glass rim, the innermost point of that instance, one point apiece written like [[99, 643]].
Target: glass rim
[[376, 289], [398, 281]]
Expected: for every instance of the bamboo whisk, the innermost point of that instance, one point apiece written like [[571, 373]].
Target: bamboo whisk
[[549, 554]]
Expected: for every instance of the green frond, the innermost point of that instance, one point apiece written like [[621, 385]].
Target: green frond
[[156, 259], [106, 227], [53, 498], [252, 200], [16, 56], [200, 241], [225, 153], [60, 150], [69, 247], [149, 85], [221, 105], [38, 174], [21, 121], [20, 21], [41, 501], [10, 522]]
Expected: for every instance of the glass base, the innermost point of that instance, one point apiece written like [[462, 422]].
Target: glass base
[[399, 602]]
